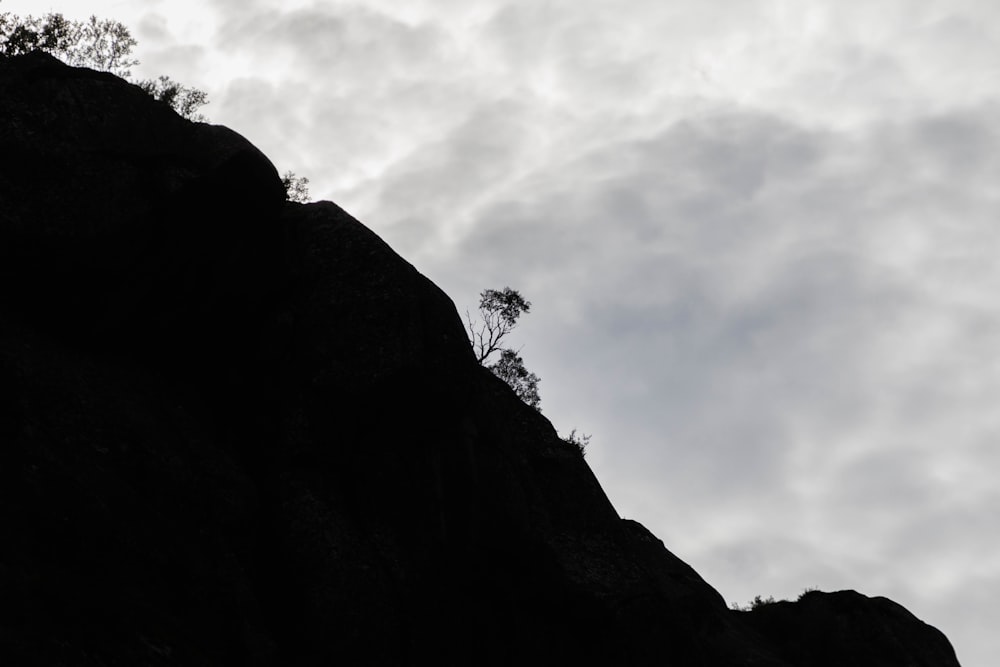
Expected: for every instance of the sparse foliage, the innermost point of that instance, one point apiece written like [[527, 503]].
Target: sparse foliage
[[756, 603], [579, 441], [759, 601], [807, 591], [296, 187], [50, 33], [103, 44], [100, 44], [510, 368], [499, 311], [185, 101]]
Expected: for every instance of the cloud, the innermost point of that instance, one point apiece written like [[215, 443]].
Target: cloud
[[791, 330], [760, 239]]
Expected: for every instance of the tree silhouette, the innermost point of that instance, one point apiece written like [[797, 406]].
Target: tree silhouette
[[100, 44], [499, 311], [510, 368], [185, 101]]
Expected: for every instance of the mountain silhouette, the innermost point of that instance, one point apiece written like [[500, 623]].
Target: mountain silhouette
[[236, 430]]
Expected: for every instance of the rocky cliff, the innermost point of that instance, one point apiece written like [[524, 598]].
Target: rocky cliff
[[240, 431]]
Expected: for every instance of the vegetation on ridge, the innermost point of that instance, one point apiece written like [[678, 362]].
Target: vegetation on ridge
[[106, 45], [100, 44], [499, 311]]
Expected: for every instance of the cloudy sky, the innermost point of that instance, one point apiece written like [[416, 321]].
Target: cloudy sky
[[759, 236]]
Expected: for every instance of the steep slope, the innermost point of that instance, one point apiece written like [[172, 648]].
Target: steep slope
[[236, 430]]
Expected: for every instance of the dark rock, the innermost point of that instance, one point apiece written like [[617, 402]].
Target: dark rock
[[847, 628], [237, 431]]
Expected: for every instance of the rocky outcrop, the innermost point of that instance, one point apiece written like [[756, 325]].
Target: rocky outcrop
[[236, 430], [847, 628]]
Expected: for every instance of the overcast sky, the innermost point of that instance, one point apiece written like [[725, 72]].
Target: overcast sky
[[759, 236]]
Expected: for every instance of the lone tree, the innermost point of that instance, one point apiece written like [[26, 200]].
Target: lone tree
[[499, 311]]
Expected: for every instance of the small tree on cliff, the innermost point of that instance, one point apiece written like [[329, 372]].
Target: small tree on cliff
[[499, 311]]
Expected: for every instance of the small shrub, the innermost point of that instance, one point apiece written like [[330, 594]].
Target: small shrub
[[807, 591], [756, 603], [578, 441]]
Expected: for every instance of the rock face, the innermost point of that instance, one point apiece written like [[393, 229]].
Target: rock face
[[240, 431]]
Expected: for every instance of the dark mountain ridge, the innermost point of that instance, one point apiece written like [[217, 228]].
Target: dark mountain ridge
[[236, 430]]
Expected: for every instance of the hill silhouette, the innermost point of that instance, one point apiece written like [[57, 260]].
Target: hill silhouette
[[236, 430]]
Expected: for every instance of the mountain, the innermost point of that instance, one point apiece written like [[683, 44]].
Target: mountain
[[236, 430]]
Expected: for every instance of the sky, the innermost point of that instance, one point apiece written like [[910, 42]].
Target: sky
[[759, 239]]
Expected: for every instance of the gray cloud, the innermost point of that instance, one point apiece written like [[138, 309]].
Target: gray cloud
[[789, 330], [760, 239]]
